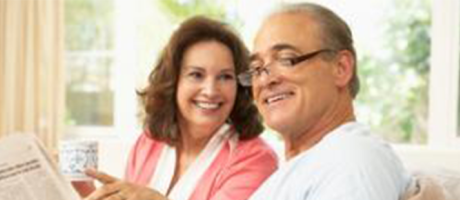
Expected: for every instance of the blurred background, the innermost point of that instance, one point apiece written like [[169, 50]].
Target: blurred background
[[393, 42], [72, 67]]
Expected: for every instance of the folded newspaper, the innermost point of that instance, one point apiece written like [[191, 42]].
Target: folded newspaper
[[28, 173]]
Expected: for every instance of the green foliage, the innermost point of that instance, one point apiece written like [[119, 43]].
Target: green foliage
[[89, 24], [178, 10], [394, 95], [409, 34]]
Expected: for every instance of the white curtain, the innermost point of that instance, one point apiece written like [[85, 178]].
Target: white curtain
[[31, 68]]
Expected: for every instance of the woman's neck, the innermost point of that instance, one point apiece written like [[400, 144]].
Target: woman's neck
[[194, 139]]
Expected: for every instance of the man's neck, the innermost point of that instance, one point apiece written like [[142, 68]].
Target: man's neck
[[338, 114]]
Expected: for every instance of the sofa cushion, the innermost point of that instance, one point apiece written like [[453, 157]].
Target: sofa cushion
[[434, 184]]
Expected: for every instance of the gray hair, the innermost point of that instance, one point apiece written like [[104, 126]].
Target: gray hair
[[334, 31]]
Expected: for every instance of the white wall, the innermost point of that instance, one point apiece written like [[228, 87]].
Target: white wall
[[113, 155], [422, 157]]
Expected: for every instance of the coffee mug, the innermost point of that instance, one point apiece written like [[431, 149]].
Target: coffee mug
[[75, 156]]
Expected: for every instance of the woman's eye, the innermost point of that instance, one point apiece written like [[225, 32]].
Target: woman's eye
[[195, 75], [226, 77]]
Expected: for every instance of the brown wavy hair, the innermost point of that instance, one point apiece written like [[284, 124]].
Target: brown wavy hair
[[158, 98]]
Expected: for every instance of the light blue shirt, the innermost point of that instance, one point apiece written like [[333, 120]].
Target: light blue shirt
[[347, 164]]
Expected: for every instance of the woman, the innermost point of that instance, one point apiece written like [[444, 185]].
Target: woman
[[201, 127]]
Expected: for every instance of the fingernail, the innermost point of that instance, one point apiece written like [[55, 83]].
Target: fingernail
[[90, 170]]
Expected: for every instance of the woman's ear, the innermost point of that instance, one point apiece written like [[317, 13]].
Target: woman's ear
[[345, 67]]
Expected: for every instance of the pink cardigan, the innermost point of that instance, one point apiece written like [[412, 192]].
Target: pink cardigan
[[233, 175]]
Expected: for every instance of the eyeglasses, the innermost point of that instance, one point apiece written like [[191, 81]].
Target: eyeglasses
[[246, 78]]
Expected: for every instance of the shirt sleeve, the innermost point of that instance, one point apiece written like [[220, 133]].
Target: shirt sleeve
[[248, 169], [363, 179]]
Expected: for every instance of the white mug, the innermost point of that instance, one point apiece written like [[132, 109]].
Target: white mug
[[75, 156]]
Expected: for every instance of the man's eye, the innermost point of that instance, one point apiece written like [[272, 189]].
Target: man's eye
[[256, 71], [255, 65], [286, 62]]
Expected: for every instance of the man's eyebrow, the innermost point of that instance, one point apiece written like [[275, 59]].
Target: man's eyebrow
[[279, 47], [276, 48]]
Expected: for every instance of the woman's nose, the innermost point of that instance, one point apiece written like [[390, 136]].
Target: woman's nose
[[209, 87]]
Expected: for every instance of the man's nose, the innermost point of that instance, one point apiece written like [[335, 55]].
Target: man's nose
[[266, 77]]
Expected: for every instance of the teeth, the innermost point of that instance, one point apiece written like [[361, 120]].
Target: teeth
[[207, 105], [277, 98]]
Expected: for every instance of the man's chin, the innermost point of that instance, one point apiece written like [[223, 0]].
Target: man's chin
[[279, 126]]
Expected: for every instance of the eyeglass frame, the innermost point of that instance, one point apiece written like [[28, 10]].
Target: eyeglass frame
[[245, 78]]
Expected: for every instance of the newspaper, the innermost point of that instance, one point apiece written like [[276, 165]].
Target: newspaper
[[27, 172]]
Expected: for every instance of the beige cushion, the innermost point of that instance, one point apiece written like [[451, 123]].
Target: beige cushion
[[434, 184], [450, 181]]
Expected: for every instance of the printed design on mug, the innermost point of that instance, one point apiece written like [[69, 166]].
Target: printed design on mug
[[75, 158]]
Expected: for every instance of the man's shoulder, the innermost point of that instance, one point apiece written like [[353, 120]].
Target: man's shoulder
[[349, 162], [354, 139], [352, 144], [355, 150]]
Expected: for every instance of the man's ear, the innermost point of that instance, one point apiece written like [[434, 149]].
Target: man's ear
[[344, 70]]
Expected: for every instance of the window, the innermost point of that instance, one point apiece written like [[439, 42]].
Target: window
[[89, 61], [101, 66], [393, 46]]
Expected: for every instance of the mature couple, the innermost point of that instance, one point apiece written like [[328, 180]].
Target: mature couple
[[201, 126]]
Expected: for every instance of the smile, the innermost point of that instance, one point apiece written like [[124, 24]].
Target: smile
[[278, 97], [207, 105]]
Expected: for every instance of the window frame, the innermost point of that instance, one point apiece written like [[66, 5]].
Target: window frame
[[444, 75], [443, 147]]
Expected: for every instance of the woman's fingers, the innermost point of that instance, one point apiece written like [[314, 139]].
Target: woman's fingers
[[115, 189], [111, 185], [106, 191], [83, 188], [100, 176]]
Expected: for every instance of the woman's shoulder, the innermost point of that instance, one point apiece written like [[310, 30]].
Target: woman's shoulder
[[252, 160], [145, 141], [254, 143], [255, 147]]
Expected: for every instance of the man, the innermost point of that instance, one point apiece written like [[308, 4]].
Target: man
[[303, 76]]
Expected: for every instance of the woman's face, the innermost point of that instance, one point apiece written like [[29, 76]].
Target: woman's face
[[207, 85]]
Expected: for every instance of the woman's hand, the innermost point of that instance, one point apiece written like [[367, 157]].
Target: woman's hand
[[115, 189], [84, 188]]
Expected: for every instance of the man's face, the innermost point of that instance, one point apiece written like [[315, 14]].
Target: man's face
[[292, 100]]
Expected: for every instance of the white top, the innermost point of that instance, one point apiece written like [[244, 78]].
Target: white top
[[347, 164], [185, 186]]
